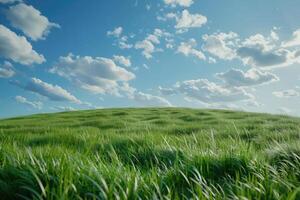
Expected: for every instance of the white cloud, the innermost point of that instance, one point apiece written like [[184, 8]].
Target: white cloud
[[97, 75], [147, 47], [187, 20], [184, 3], [252, 77], [150, 100], [294, 41], [220, 45], [17, 48], [256, 50], [116, 32], [259, 41], [253, 103], [261, 51], [143, 98], [258, 57], [122, 41], [6, 70], [125, 61], [188, 48], [287, 93], [34, 104], [211, 60], [153, 38], [148, 44], [124, 45], [166, 91], [208, 92], [52, 92], [30, 21]]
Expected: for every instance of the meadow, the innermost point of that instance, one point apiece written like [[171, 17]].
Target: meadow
[[150, 153]]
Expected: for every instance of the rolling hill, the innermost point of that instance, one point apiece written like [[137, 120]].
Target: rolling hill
[[150, 153]]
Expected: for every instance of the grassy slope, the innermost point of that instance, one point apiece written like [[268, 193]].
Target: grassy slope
[[168, 153]]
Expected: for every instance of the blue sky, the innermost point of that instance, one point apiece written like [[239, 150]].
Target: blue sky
[[70, 55]]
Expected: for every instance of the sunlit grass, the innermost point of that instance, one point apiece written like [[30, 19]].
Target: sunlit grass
[[154, 153]]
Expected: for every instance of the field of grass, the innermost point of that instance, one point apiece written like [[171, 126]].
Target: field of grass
[[151, 153]]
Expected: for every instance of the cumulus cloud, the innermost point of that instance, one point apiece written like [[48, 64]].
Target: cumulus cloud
[[183, 3], [261, 51], [125, 45], [95, 74], [116, 32], [120, 40], [256, 50], [252, 77], [294, 41], [125, 61], [207, 92], [6, 70], [147, 47], [148, 44], [220, 45], [52, 92], [17, 48], [34, 104], [287, 93], [188, 48], [142, 98], [187, 20], [30, 21], [258, 57], [151, 100]]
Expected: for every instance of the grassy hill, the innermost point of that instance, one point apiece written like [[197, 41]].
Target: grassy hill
[[152, 153]]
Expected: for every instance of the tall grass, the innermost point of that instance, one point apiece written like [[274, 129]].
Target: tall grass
[[155, 153]]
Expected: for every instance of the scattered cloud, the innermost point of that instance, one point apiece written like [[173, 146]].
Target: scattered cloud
[[220, 44], [116, 32], [187, 20], [52, 92], [147, 47], [261, 51], [148, 44], [6, 70], [125, 61], [260, 58], [294, 41], [183, 3], [95, 74], [149, 99], [34, 104], [252, 77], [256, 50], [207, 92], [17, 48], [287, 93], [144, 99], [188, 48], [30, 21], [122, 41]]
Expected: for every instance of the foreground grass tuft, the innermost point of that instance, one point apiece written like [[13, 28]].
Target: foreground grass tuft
[[153, 153]]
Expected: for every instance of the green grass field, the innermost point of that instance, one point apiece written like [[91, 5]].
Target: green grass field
[[152, 153]]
